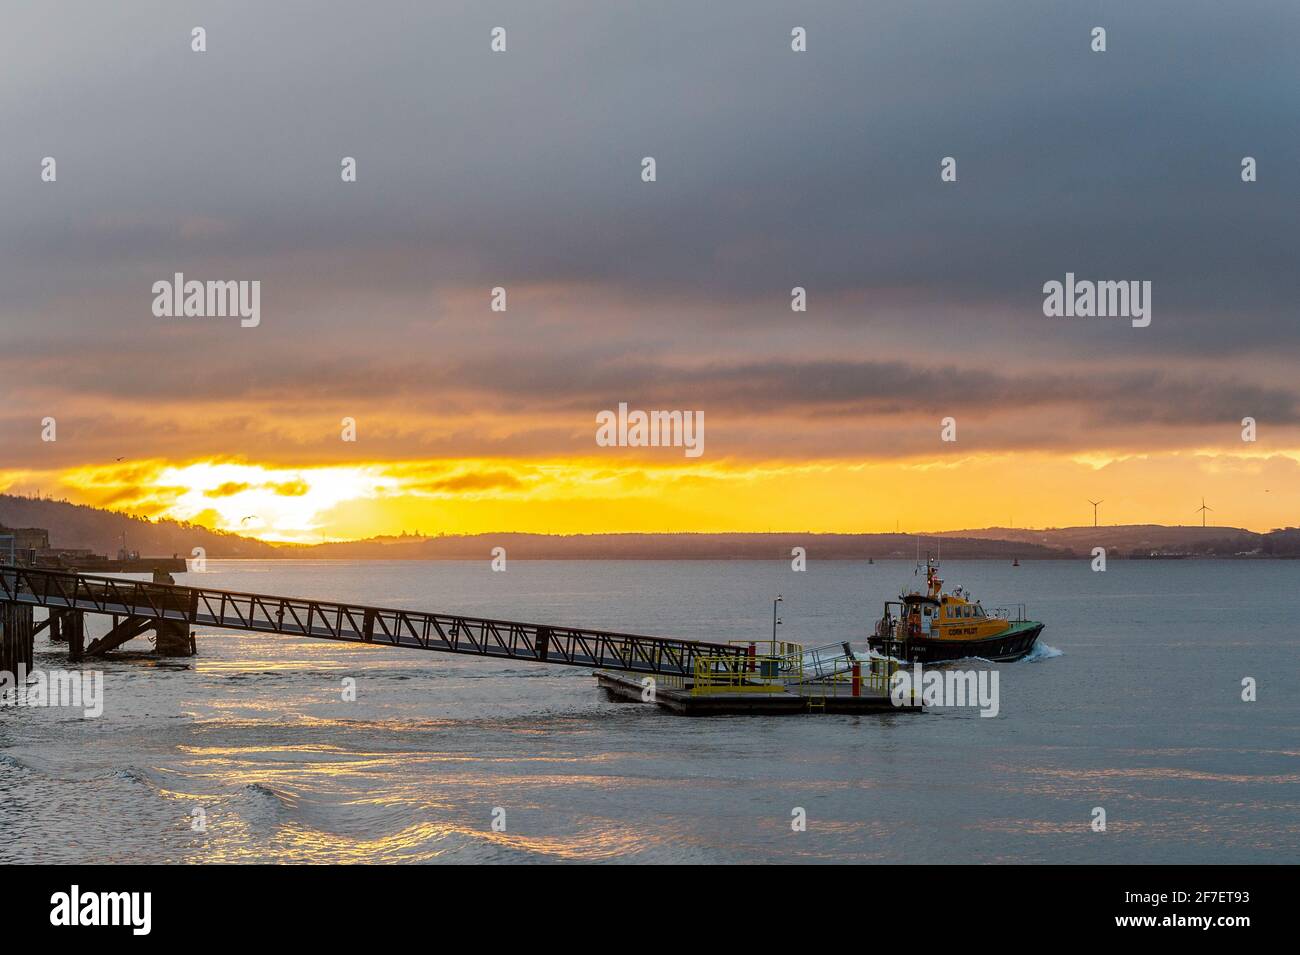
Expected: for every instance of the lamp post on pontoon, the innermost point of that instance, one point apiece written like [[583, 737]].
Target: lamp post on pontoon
[[775, 621]]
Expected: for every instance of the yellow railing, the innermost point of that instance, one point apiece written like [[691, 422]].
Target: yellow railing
[[770, 672], [671, 681], [874, 676], [757, 673], [879, 681], [877, 675]]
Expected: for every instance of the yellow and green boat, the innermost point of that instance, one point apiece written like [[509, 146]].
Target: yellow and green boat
[[931, 626]]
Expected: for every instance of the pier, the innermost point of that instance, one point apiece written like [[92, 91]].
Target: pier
[[140, 605], [688, 676]]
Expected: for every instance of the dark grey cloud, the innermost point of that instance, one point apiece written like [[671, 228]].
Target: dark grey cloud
[[822, 165], [775, 169], [512, 405]]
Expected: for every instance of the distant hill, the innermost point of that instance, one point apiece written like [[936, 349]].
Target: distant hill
[[1282, 543], [994, 543], [76, 525], [670, 547], [1141, 540]]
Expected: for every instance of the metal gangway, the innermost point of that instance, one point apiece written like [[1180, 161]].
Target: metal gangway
[[816, 664], [137, 603]]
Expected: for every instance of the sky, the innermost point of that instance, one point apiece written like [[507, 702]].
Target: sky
[[774, 169]]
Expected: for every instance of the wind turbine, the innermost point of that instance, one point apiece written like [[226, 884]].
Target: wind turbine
[[1094, 511], [1203, 509]]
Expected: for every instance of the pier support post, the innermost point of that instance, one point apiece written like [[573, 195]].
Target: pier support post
[[172, 638], [16, 644], [57, 634], [26, 615], [75, 633], [6, 653]]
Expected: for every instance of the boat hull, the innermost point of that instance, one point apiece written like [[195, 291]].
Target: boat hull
[[1012, 644]]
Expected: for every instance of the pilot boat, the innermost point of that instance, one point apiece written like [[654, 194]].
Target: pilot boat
[[931, 626]]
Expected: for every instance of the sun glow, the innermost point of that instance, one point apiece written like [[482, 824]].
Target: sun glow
[[317, 503], [269, 503]]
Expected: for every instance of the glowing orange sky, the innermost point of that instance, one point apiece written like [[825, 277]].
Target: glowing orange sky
[[593, 495]]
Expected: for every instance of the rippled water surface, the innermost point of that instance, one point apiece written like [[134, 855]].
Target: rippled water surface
[[1141, 714]]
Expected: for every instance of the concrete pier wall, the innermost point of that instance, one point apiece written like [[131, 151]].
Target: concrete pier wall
[[172, 639]]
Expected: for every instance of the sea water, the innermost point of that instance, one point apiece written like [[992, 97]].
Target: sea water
[[255, 750]]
